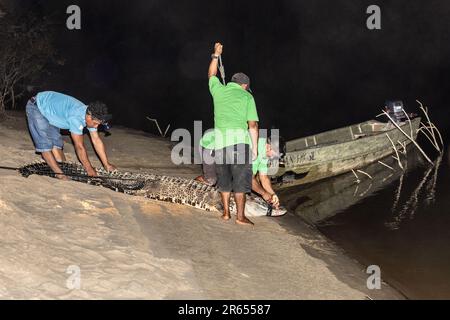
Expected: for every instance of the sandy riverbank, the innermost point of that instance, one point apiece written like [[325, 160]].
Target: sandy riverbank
[[127, 247]]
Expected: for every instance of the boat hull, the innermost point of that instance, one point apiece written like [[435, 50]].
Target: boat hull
[[323, 161]]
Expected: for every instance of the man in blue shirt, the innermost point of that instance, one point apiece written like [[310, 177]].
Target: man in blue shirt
[[49, 111]]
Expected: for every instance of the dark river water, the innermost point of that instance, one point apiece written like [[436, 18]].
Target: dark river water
[[398, 220]]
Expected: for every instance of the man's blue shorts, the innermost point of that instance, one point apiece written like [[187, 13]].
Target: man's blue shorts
[[45, 136]]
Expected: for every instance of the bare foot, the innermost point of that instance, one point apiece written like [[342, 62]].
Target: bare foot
[[245, 222], [226, 216]]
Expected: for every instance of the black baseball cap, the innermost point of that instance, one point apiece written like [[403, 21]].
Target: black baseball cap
[[241, 78], [99, 111]]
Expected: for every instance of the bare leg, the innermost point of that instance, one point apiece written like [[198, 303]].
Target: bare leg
[[240, 204], [51, 161], [226, 205], [59, 155]]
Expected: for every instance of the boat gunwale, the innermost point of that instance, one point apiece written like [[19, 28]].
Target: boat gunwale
[[362, 138]]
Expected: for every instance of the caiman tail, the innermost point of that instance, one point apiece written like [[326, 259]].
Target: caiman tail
[[157, 187]]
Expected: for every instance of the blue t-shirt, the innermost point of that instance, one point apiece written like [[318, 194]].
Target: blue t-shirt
[[63, 111]]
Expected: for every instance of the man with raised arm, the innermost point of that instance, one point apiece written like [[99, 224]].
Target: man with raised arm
[[50, 111], [236, 136]]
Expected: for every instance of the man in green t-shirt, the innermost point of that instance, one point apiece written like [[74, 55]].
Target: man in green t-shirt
[[236, 133], [261, 184]]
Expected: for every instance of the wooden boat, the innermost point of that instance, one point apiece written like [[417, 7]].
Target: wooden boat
[[334, 152]]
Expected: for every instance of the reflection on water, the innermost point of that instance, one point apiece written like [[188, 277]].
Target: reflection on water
[[320, 201], [399, 220], [411, 205]]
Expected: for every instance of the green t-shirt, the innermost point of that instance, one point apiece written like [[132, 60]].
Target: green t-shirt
[[233, 107], [207, 141], [261, 163]]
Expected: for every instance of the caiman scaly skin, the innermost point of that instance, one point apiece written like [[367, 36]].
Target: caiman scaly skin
[[157, 187]]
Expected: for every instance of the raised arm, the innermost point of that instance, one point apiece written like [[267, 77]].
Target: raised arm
[[212, 71]]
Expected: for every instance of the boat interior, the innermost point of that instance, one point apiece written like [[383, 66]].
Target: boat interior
[[349, 133]]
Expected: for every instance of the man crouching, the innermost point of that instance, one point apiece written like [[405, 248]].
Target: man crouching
[[49, 111]]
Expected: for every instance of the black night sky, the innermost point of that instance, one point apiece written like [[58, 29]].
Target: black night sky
[[314, 65]]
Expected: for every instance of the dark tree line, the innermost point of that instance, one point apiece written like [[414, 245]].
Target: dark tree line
[[26, 51]]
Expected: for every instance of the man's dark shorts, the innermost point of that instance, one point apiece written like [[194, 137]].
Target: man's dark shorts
[[234, 169]]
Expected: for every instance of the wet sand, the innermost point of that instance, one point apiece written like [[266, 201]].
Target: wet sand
[[133, 248]]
